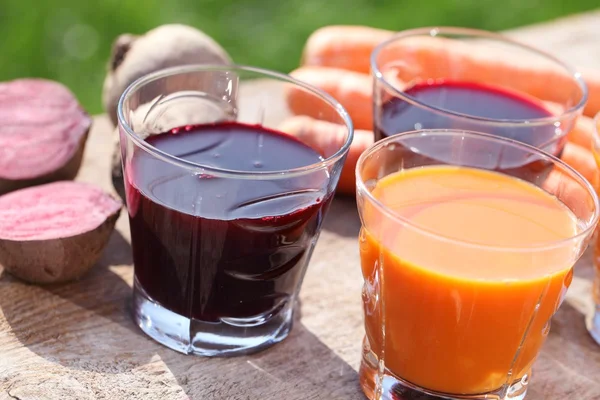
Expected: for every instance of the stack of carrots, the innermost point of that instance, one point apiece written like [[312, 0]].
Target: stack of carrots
[[336, 59]]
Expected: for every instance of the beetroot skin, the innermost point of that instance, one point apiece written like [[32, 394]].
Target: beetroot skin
[[43, 131], [55, 232]]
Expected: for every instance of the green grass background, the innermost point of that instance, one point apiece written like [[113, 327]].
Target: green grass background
[[70, 40]]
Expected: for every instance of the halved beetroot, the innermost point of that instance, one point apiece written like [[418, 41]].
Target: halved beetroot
[[55, 232], [43, 131]]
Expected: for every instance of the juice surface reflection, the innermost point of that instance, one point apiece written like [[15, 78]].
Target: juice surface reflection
[[460, 317]]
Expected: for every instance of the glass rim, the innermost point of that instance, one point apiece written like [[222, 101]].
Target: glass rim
[[434, 31], [362, 188], [228, 173]]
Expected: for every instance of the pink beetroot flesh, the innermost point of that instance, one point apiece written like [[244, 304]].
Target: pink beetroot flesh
[[41, 126], [55, 210]]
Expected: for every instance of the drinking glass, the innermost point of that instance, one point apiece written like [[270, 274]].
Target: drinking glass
[[480, 72], [594, 323], [448, 317], [219, 252]]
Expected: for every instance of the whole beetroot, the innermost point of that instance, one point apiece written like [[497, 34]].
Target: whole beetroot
[[165, 46]]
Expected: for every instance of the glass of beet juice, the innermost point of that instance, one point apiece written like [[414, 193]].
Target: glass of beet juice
[[466, 79], [224, 206]]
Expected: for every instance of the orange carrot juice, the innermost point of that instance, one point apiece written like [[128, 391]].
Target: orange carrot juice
[[467, 287]]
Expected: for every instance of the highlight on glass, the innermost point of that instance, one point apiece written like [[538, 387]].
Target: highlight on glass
[[467, 248], [225, 204], [458, 78]]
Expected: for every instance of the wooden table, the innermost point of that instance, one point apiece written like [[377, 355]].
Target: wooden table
[[77, 341]]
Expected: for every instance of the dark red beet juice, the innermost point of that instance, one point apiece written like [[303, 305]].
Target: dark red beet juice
[[210, 247], [447, 101], [473, 107]]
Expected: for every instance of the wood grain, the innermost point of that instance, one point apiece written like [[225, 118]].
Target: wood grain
[[77, 341]]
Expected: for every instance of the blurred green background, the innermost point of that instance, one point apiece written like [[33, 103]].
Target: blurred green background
[[70, 40]]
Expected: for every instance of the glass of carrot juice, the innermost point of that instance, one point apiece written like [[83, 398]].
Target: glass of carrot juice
[[466, 253], [594, 323]]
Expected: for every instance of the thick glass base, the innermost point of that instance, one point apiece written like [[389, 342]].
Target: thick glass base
[[594, 325], [385, 385], [229, 337]]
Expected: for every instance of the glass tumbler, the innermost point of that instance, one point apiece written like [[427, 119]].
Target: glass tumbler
[[467, 79], [448, 315], [225, 206]]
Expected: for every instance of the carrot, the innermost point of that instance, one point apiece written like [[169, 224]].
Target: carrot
[[569, 192], [327, 138], [595, 145], [352, 89], [436, 57], [553, 108], [343, 46], [582, 134], [582, 131], [592, 79], [583, 161]]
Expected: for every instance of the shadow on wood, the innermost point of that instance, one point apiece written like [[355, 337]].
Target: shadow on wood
[[342, 218], [103, 291], [570, 350], [77, 324], [271, 374], [85, 332]]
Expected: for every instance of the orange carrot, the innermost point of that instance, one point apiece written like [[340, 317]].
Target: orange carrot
[[553, 108], [327, 138], [343, 46], [582, 133], [582, 160], [569, 192], [348, 47], [352, 89], [592, 79]]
